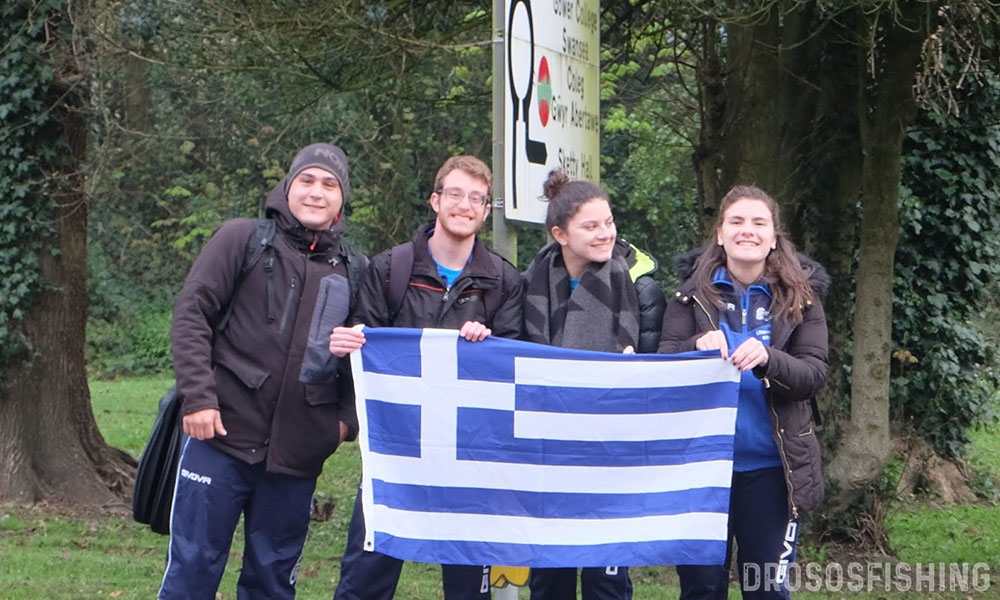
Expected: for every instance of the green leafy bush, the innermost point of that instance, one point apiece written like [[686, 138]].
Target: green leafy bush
[[135, 343]]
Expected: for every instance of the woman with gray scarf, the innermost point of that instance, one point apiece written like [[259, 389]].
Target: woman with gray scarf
[[590, 291]]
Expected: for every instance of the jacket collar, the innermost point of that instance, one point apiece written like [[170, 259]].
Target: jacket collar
[[819, 279], [479, 265], [721, 278]]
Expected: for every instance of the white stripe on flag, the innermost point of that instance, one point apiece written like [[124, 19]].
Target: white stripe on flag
[[549, 478], [629, 428], [424, 391], [608, 374], [438, 412], [532, 530]]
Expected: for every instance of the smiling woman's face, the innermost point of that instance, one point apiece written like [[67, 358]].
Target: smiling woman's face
[[747, 233], [589, 235]]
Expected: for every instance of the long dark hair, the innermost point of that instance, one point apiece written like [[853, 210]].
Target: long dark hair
[[783, 272], [566, 197]]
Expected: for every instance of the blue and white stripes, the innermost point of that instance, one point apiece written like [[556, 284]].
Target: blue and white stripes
[[506, 452]]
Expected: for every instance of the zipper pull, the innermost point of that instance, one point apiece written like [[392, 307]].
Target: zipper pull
[[744, 319]]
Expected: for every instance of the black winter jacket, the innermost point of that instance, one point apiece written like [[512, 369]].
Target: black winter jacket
[[427, 302], [652, 302], [280, 396], [795, 372]]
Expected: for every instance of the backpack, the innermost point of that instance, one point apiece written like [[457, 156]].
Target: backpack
[[401, 267], [259, 246], [155, 478]]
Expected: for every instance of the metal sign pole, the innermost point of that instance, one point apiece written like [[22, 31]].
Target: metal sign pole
[[504, 238]]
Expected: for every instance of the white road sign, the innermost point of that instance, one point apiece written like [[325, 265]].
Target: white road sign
[[552, 99]]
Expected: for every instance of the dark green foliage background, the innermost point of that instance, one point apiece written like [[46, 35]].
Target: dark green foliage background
[[216, 140], [947, 270], [401, 87]]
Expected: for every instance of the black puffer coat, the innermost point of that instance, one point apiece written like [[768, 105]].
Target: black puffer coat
[[652, 302], [795, 372]]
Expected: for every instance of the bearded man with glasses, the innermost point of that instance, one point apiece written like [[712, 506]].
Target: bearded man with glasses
[[444, 278]]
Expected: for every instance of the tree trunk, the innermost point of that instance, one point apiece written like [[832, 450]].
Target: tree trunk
[[50, 448], [706, 158], [753, 134], [865, 446], [827, 216], [815, 113]]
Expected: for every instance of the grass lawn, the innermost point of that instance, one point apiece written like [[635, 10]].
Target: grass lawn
[[54, 557], [961, 534]]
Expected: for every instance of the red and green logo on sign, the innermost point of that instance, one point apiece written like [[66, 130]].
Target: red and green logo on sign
[[544, 91]]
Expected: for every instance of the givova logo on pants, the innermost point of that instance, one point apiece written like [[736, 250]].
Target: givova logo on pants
[[203, 479]]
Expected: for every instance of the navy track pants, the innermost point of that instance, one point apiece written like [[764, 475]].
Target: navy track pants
[[213, 489], [596, 583], [765, 538]]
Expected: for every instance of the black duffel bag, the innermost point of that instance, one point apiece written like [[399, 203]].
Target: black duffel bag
[[156, 476]]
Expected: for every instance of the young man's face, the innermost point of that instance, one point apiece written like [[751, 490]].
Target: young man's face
[[461, 205], [315, 198]]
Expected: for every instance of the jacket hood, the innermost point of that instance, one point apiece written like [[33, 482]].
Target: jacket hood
[[639, 261], [819, 279], [307, 240]]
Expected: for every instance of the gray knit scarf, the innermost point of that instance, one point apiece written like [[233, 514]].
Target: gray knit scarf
[[602, 313]]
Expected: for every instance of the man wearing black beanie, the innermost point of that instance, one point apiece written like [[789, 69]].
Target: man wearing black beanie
[[264, 401]]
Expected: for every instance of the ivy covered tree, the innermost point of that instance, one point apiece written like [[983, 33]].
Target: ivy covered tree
[[944, 369], [50, 448]]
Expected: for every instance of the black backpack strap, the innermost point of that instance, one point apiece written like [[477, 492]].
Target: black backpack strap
[[259, 243], [492, 298], [817, 416], [356, 262], [400, 269]]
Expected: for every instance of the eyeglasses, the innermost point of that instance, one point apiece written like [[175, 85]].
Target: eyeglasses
[[454, 195]]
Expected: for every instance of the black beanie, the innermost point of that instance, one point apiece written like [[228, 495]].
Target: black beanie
[[324, 156]]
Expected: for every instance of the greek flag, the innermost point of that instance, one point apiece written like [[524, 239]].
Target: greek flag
[[507, 452]]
